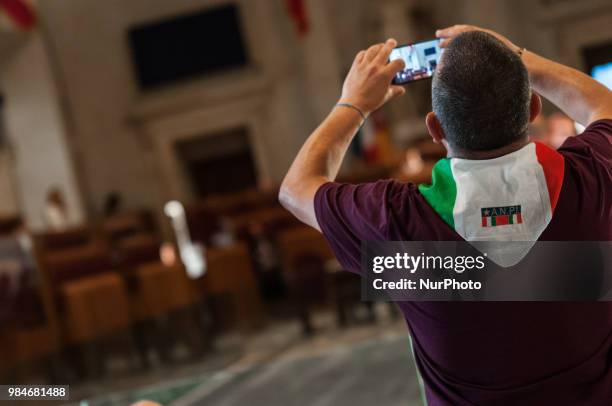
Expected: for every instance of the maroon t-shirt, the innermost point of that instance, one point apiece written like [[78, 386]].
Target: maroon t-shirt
[[495, 353]]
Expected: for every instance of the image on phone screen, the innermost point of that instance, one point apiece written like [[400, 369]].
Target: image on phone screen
[[421, 60]]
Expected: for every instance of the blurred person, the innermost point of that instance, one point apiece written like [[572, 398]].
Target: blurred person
[[266, 261], [112, 204], [413, 163], [413, 168], [56, 210], [18, 277], [484, 353], [224, 236], [167, 254], [559, 128]]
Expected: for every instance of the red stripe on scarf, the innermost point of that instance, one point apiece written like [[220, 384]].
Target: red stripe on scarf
[[553, 165]]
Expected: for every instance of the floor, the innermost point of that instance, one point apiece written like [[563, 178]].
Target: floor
[[376, 372], [363, 364]]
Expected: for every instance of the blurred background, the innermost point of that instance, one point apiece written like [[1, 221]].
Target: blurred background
[[143, 253]]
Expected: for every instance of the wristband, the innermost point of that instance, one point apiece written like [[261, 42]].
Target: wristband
[[352, 106]]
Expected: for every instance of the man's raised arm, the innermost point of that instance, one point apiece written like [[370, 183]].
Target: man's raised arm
[[366, 88], [579, 96]]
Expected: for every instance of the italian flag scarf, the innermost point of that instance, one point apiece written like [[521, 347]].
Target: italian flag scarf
[[509, 198]]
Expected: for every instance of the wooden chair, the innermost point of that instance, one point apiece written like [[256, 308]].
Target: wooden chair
[[33, 345], [164, 300], [202, 221], [304, 253], [36, 347], [126, 224], [242, 224], [313, 275], [95, 311], [161, 290], [7, 344], [229, 204], [70, 264], [259, 199], [137, 249], [230, 283], [259, 230], [85, 289], [94, 306], [60, 240], [204, 216], [31, 338], [300, 241]]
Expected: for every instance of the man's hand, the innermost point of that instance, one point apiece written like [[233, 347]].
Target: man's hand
[[367, 87], [368, 83], [447, 34]]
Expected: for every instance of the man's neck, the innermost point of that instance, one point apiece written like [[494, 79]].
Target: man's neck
[[488, 154]]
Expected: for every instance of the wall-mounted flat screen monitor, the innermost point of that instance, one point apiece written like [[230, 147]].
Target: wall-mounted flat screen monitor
[[187, 46], [603, 74], [598, 60]]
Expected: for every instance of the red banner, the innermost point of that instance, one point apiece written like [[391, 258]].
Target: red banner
[[20, 12], [297, 11]]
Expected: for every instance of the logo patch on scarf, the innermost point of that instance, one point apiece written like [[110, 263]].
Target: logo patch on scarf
[[501, 216]]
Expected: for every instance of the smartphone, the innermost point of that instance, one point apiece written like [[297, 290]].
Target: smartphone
[[420, 58]]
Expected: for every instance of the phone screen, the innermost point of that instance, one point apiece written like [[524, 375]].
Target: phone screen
[[421, 60]]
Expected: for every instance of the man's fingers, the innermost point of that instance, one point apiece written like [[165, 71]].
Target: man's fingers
[[372, 52], [447, 32], [393, 67], [385, 51], [359, 57], [454, 30], [395, 91]]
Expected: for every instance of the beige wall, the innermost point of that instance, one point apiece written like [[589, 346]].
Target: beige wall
[[35, 126], [295, 80], [8, 194], [107, 108], [88, 43]]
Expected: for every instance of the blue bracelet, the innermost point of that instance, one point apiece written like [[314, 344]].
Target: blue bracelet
[[352, 106]]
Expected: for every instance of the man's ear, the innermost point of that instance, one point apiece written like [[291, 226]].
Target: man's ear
[[535, 106], [434, 127]]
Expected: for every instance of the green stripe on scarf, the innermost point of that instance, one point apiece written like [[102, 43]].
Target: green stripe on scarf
[[441, 194]]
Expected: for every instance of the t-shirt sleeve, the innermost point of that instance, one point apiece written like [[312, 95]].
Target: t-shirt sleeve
[[588, 163], [348, 214], [595, 140]]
